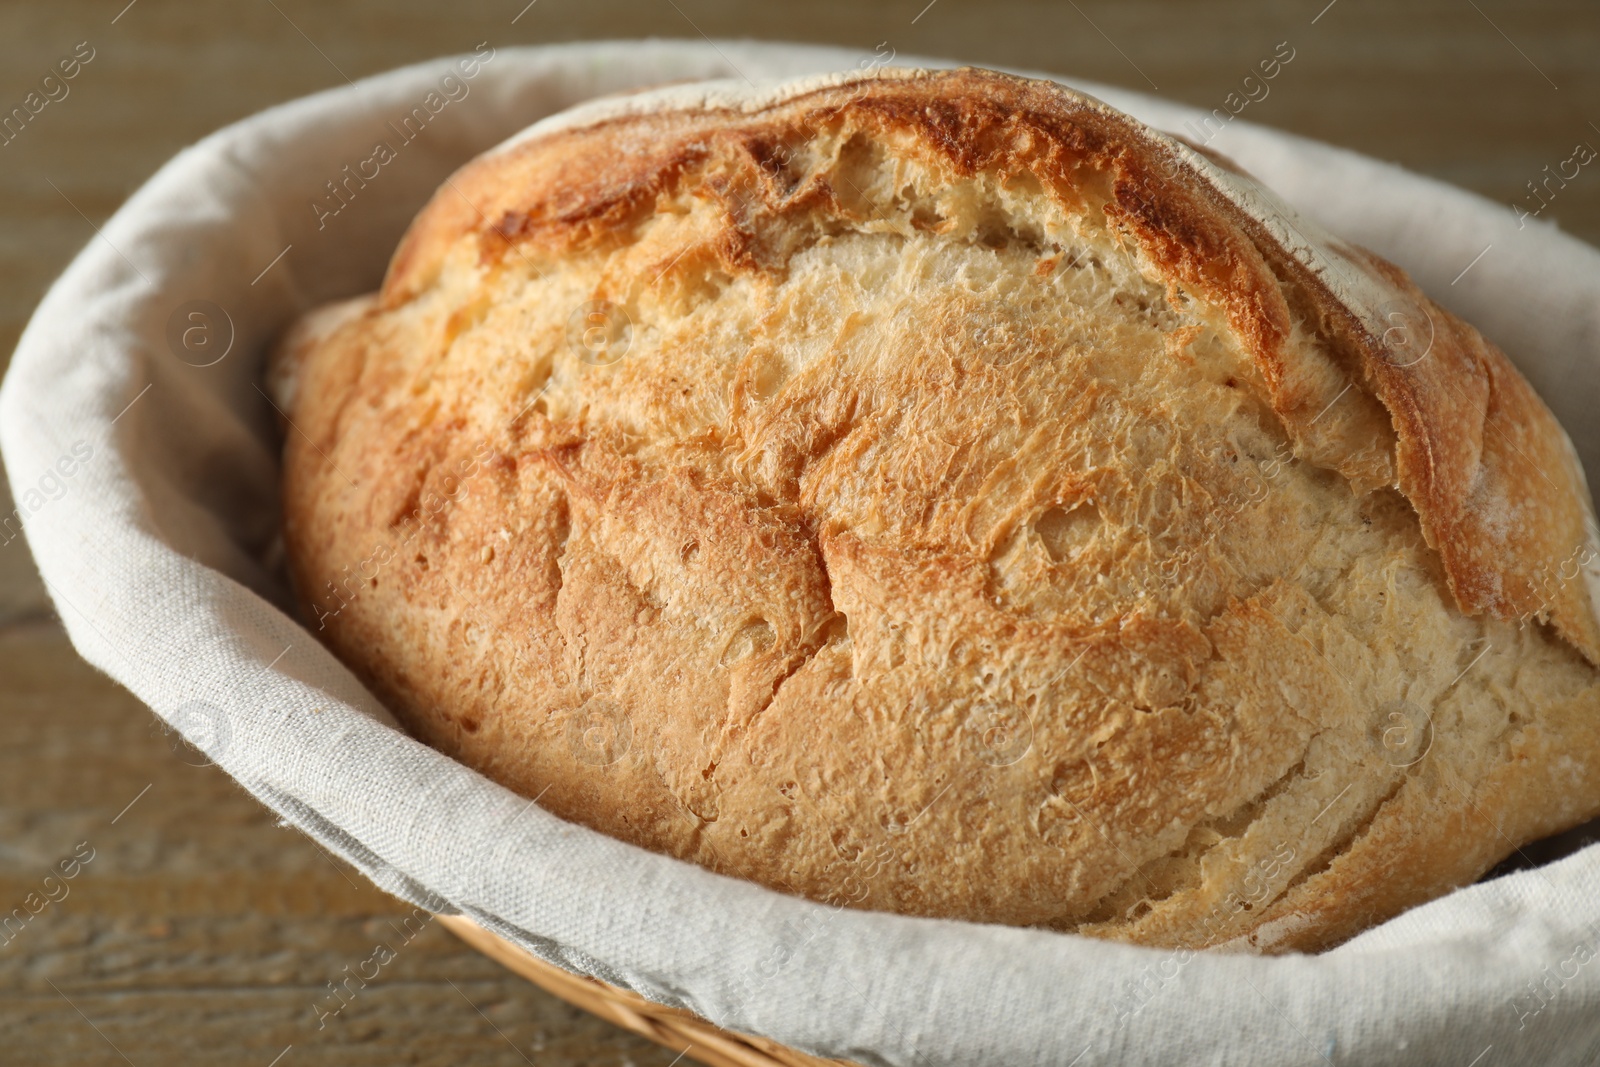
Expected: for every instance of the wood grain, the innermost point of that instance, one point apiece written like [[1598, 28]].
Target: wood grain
[[203, 932]]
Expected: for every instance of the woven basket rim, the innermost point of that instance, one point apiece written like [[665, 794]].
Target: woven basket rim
[[682, 1031]]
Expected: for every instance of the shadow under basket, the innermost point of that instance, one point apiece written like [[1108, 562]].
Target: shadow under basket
[[682, 1031]]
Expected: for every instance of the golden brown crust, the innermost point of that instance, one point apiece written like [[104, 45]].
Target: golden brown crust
[[907, 557], [1479, 455]]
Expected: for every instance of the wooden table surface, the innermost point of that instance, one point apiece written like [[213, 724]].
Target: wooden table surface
[[202, 932]]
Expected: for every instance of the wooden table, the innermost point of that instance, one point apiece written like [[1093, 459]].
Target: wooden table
[[201, 931]]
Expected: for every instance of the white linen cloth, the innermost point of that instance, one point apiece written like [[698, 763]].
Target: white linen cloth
[[156, 551]]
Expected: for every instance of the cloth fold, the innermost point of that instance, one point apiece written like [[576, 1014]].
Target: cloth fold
[[141, 449]]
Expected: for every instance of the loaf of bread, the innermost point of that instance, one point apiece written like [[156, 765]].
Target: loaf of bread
[[937, 492]]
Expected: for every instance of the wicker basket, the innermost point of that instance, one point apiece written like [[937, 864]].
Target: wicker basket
[[679, 1030]]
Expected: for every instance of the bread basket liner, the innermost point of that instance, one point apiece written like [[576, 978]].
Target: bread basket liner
[[159, 554]]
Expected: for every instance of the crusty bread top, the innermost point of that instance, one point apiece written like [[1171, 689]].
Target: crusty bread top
[[1000, 511], [1465, 438]]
